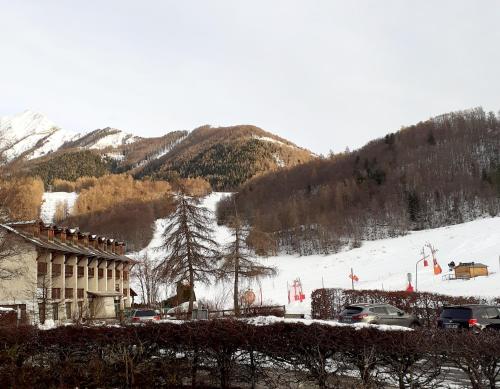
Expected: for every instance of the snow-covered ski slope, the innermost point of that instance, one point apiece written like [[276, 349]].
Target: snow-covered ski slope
[[381, 264], [50, 201]]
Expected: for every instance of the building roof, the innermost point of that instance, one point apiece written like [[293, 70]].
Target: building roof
[[471, 264], [65, 247]]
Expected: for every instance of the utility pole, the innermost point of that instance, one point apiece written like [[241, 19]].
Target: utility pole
[[352, 278], [424, 257]]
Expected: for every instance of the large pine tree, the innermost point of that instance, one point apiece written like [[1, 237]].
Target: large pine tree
[[192, 253], [239, 262]]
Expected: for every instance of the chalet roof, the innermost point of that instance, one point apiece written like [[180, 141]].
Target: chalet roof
[[65, 247], [470, 264]]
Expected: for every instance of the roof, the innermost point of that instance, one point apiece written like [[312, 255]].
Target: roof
[[66, 247], [470, 264]]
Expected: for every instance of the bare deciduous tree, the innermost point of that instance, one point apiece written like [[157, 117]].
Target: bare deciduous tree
[[192, 253], [148, 274], [239, 262]]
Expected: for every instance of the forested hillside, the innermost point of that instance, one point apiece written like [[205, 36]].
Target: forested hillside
[[226, 156], [443, 171]]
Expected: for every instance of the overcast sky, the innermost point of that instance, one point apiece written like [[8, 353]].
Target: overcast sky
[[324, 74]]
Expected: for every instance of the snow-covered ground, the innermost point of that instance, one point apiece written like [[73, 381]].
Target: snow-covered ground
[[50, 201], [381, 264]]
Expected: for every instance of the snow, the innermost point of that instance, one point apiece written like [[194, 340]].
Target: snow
[[50, 200], [21, 133], [269, 320], [381, 264], [116, 138]]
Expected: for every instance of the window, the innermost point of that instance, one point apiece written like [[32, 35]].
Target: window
[[80, 309], [56, 269], [68, 293], [56, 293], [110, 274], [42, 268], [379, 310], [68, 311], [117, 287], [125, 292], [81, 271], [68, 271], [55, 311], [79, 293], [125, 275], [117, 273], [392, 311], [91, 272], [100, 273]]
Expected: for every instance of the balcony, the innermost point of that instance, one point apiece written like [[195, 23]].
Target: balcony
[[68, 293], [56, 269], [56, 293], [41, 268], [68, 271]]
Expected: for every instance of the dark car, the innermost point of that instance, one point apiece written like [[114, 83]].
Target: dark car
[[377, 314], [472, 316]]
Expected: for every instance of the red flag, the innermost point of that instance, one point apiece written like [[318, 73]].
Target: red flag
[[354, 277]]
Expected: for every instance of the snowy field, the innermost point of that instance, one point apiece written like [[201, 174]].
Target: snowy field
[[50, 201], [381, 264]]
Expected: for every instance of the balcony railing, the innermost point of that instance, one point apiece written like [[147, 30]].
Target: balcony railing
[[56, 269], [68, 271], [56, 293], [68, 293], [42, 268]]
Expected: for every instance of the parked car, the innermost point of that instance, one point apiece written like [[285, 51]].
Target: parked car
[[144, 315], [377, 314], [471, 316]]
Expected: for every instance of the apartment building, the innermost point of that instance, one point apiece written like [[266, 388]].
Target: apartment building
[[63, 274]]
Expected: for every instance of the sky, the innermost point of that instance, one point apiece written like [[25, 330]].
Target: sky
[[324, 74]]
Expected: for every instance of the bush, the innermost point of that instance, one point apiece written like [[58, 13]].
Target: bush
[[227, 353], [328, 303]]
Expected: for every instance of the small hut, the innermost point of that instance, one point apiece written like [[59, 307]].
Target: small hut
[[470, 270]]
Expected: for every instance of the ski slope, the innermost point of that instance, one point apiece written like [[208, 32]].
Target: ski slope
[[50, 200], [381, 264]]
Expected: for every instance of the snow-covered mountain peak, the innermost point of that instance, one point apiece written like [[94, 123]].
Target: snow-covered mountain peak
[[30, 134]]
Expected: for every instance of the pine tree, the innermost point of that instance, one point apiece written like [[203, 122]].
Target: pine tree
[[187, 238], [239, 263]]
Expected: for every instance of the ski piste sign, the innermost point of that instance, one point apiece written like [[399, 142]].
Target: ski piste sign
[[295, 292]]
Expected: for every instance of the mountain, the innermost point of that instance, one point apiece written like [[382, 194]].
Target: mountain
[[32, 135], [225, 156], [443, 171]]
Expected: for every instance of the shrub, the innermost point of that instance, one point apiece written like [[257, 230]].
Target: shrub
[[328, 303]]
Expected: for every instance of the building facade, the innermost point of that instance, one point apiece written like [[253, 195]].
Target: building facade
[[63, 274]]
